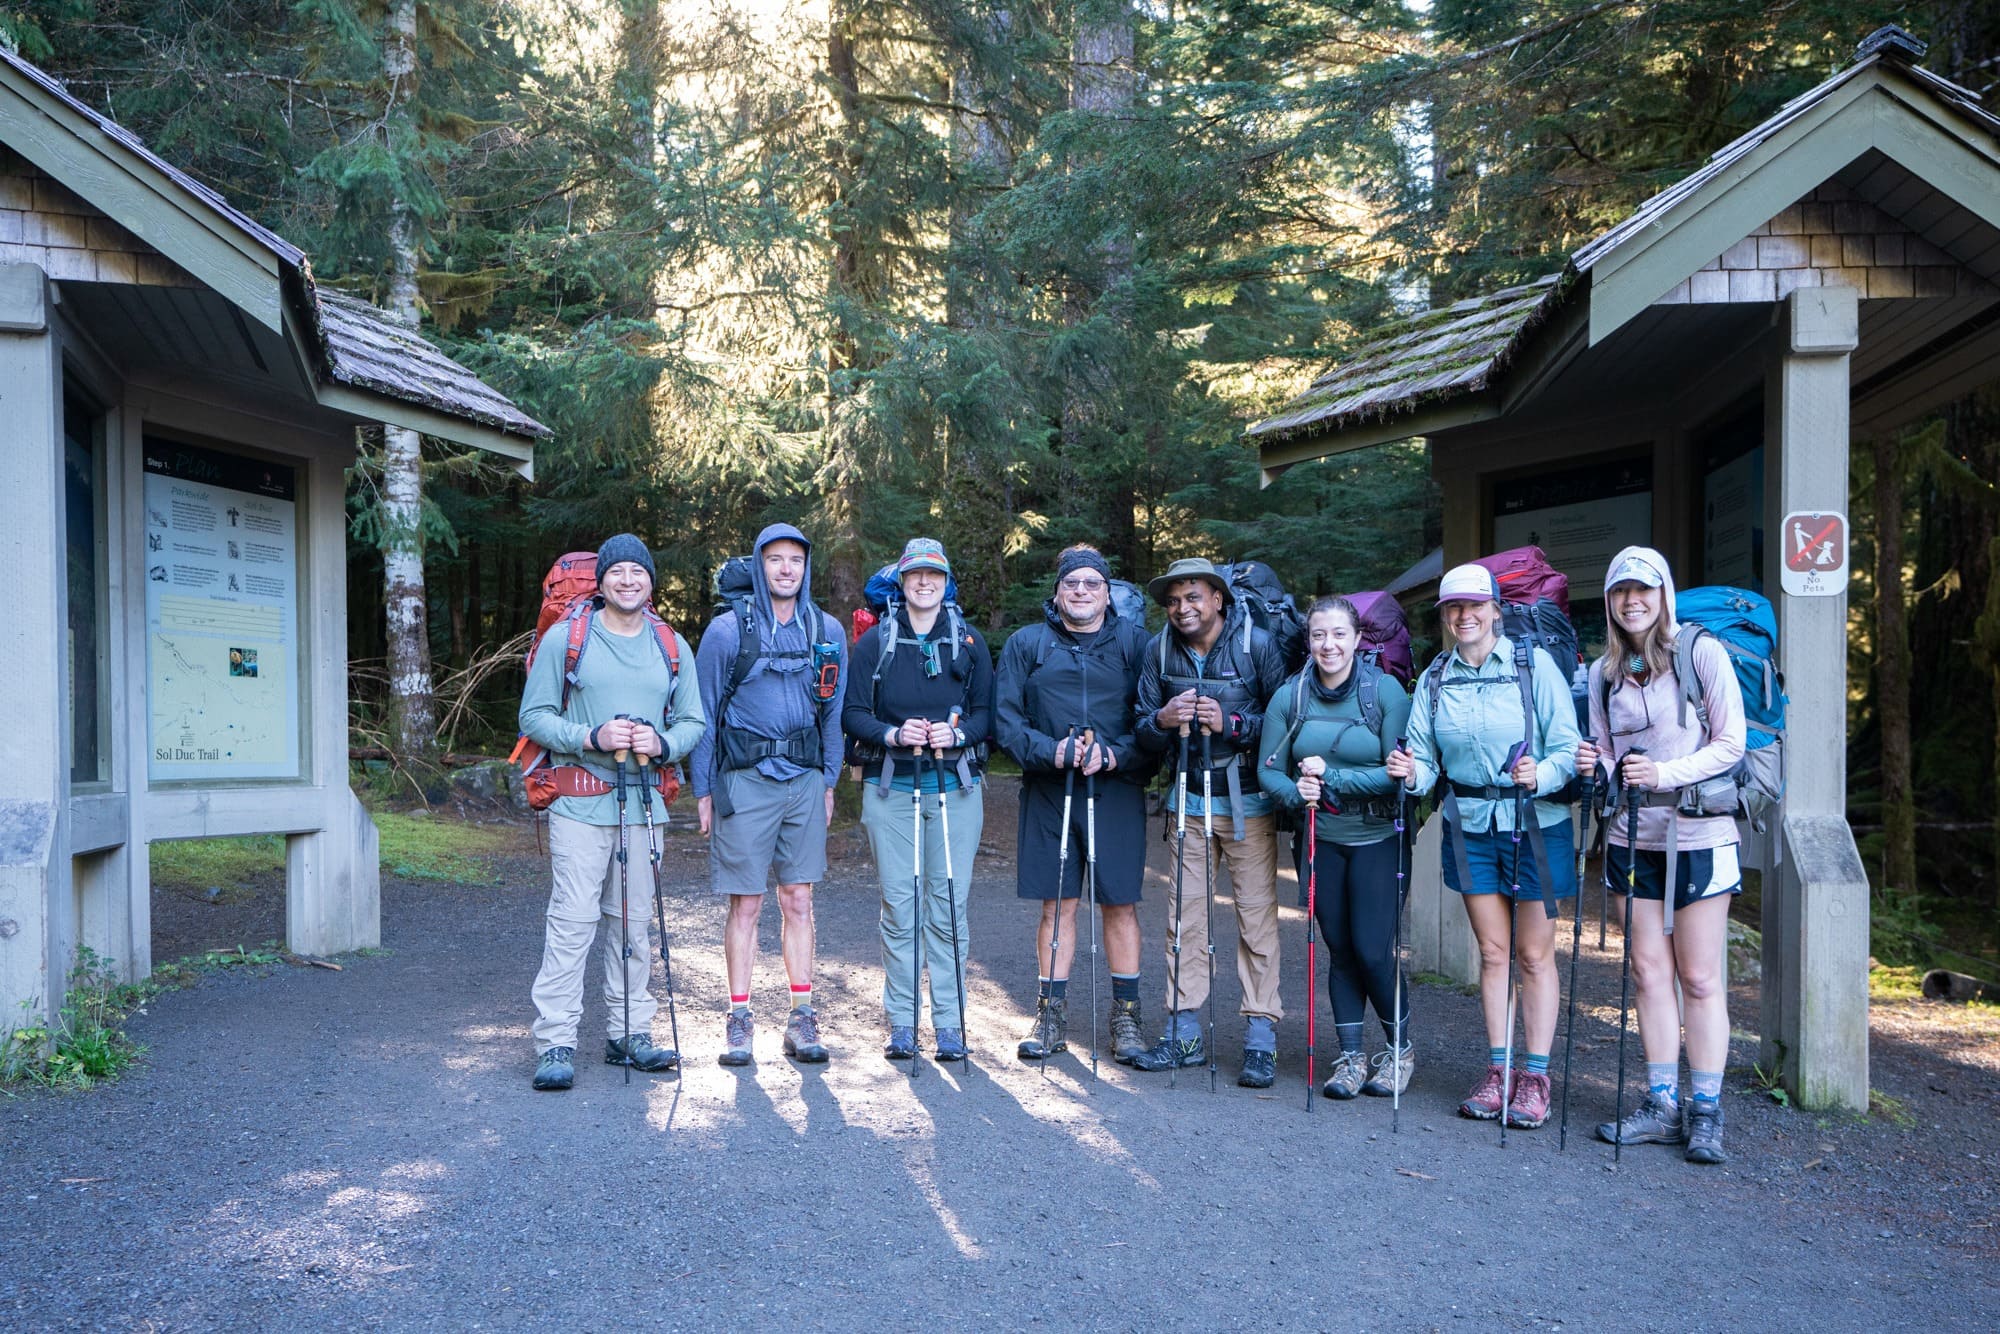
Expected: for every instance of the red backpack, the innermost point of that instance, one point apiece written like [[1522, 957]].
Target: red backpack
[[1525, 576], [569, 593]]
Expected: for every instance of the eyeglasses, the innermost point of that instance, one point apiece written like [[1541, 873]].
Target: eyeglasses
[[1073, 584]]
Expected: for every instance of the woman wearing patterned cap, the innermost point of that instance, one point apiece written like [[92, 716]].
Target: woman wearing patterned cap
[[1664, 752], [919, 701], [1501, 749]]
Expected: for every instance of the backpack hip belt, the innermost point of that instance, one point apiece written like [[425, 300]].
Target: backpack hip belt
[[1231, 771], [545, 784], [960, 758]]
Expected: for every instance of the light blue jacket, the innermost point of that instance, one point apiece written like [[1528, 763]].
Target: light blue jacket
[[1478, 721]]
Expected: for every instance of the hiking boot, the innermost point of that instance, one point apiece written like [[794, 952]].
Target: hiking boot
[[737, 1034], [802, 1036], [1260, 1070], [556, 1070], [950, 1045], [1385, 1083], [902, 1044], [638, 1051], [1704, 1131], [1128, 1036], [1529, 1106], [1657, 1121], [1350, 1072], [1483, 1103], [1169, 1052], [1050, 1035]]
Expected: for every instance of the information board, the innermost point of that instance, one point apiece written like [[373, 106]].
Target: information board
[[1579, 517], [222, 562]]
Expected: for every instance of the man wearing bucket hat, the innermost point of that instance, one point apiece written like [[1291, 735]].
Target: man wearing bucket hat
[[920, 701], [1209, 673]]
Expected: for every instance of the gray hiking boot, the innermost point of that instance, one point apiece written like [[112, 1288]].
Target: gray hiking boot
[[1386, 1083], [1704, 1131], [637, 1050], [802, 1036], [950, 1044], [1050, 1035], [1260, 1070], [1128, 1035], [737, 1035], [1350, 1072], [1169, 1052], [1657, 1121], [556, 1070], [902, 1043]]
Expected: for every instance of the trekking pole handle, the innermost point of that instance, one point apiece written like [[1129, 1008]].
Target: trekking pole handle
[[1631, 789], [621, 756], [937, 752]]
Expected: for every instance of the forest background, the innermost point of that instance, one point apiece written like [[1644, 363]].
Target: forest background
[[1013, 275]]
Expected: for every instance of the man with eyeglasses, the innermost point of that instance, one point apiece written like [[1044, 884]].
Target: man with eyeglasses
[[1063, 708]]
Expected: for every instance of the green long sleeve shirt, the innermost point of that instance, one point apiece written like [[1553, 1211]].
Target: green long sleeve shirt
[[615, 674], [1335, 731]]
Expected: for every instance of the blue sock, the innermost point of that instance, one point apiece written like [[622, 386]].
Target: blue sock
[[1496, 1056], [1664, 1078], [1707, 1084], [1187, 1025], [1535, 1063], [1124, 988]]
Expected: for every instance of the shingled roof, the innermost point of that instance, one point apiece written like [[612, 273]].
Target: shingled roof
[[356, 345], [1452, 354]]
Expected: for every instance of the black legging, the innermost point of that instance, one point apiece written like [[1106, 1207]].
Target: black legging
[[1355, 902]]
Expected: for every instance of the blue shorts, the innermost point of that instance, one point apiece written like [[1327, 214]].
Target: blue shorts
[[1490, 857], [1699, 874]]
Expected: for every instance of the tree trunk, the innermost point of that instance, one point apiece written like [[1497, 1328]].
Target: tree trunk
[[839, 541], [1892, 669], [412, 703]]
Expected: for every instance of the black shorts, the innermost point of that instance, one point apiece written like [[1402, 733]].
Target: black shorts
[[1121, 841], [1700, 874]]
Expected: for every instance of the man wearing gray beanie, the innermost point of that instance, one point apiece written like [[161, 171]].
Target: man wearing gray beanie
[[634, 690]]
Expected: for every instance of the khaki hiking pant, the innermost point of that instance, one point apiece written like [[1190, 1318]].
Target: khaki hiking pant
[[1253, 880], [583, 859]]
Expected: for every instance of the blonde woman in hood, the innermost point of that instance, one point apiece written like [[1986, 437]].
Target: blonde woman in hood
[[1661, 751]]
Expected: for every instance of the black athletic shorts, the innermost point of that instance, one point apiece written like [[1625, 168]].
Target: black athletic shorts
[[1701, 874], [1121, 841]]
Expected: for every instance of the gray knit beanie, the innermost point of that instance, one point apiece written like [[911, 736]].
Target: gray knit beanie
[[624, 547]]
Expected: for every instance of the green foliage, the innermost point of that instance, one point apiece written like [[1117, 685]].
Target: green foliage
[[86, 1044], [418, 847], [201, 862]]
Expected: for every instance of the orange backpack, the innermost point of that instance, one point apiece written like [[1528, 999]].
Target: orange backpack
[[569, 593]]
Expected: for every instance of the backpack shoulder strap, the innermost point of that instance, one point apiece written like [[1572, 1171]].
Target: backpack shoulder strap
[[669, 650], [749, 643], [579, 636], [1365, 686], [1692, 690], [1524, 676]]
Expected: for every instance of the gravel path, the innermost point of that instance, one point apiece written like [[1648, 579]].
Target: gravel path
[[312, 1147]]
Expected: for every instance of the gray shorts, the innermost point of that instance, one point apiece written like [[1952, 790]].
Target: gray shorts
[[779, 828]]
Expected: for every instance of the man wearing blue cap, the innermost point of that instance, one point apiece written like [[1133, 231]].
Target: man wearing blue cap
[[627, 696]]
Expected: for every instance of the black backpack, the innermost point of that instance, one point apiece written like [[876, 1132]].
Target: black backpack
[[1262, 597]]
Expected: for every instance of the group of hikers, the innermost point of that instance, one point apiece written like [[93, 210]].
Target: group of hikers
[[1092, 707]]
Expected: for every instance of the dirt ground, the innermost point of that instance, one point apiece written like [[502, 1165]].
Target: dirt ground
[[307, 1146]]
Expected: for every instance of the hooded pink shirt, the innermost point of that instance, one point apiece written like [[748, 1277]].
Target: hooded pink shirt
[[1650, 716]]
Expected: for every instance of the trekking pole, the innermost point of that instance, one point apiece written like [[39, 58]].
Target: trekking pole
[[950, 889], [917, 909], [624, 914], [1208, 888], [1402, 856], [1625, 978], [1180, 880], [1513, 900], [659, 903], [1575, 945], [1062, 876], [1091, 893], [1312, 945]]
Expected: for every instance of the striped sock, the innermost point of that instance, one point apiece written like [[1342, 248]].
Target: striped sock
[[737, 1002], [1496, 1056], [802, 996], [1535, 1063]]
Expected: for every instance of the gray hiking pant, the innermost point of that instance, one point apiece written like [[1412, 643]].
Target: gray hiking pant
[[890, 824]]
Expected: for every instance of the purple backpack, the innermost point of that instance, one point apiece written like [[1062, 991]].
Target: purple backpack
[[1385, 633]]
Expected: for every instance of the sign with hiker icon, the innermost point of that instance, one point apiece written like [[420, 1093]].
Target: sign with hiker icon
[[1815, 554]]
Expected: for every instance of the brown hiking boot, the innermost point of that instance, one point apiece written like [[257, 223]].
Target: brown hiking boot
[[802, 1037], [1529, 1106], [1385, 1083], [1483, 1103], [1350, 1072], [1128, 1038], [1050, 1035]]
